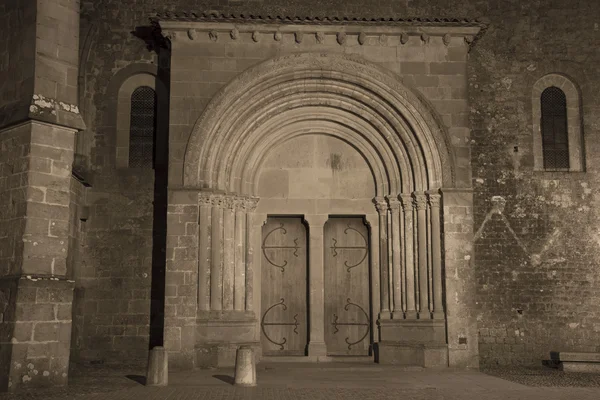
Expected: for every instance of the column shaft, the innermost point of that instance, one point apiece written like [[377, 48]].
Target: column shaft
[[228, 254], [381, 206], [239, 276], [204, 254], [396, 276], [421, 206], [252, 236], [436, 256], [216, 267], [409, 259]]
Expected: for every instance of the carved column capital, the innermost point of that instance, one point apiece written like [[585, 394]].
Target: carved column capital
[[420, 201], [407, 201], [204, 199], [250, 204], [393, 203], [380, 204], [434, 199]]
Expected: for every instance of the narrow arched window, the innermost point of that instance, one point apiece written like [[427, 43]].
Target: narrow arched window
[[142, 127], [555, 135]]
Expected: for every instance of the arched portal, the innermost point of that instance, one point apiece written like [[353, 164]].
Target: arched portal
[[400, 151], [246, 117]]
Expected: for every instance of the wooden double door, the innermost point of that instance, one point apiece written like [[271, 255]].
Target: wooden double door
[[286, 285]]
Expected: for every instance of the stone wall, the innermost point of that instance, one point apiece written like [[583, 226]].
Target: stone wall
[[536, 261], [112, 294], [17, 55]]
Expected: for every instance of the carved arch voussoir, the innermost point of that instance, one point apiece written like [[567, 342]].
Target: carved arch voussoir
[[213, 131]]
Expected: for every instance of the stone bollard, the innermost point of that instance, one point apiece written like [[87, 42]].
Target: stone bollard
[[158, 370], [245, 367]]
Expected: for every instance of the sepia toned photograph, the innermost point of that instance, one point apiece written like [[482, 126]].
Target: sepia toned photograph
[[299, 199]]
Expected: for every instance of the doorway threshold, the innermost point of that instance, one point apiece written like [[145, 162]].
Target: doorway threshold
[[318, 359]]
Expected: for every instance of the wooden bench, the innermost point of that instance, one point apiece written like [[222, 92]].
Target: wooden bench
[[576, 362]]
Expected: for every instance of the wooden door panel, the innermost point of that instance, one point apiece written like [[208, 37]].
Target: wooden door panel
[[347, 316], [283, 287]]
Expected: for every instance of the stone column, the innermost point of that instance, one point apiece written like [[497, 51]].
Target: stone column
[[421, 207], [316, 344], [253, 238], [239, 273], [397, 282], [409, 258], [228, 252], [216, 266], [436, 255], [204, 250], [382, 207]]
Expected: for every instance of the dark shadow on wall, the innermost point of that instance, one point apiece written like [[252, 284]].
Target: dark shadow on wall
[[156, 43]]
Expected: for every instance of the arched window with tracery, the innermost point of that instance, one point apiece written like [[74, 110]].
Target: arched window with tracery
[[142, 127], [555, 136], [557, 125]]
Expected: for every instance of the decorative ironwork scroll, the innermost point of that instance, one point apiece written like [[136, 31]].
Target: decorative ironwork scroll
[[335, 248], [263, 324], [335, 323], [295, 247]]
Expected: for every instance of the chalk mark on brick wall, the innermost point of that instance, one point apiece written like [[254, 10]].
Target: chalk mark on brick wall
[[498, 203]]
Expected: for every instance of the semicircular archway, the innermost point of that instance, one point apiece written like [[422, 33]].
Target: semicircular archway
[[393, 124]]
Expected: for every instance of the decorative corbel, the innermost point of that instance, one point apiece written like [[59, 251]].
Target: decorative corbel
[[320, 36], [299, 36], [255, 36], [446, 39], [404, 37], [362, 38], [235, 33], [213, 35], [192, 34], [277, 36], [341, 38]]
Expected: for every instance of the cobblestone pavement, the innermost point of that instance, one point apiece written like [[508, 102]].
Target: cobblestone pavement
[[330, 381]]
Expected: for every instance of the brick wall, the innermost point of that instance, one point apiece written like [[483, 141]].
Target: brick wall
[[547, 268]]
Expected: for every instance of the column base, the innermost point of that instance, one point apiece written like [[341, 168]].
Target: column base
[[317, 349], [220, 333], [411, 354], [418, 331]]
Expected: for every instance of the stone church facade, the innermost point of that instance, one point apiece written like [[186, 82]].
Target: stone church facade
[[353, 185]]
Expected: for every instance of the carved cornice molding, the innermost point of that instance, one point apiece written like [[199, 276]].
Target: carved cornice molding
[[374, 32]]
